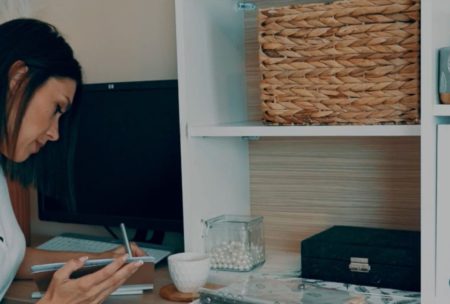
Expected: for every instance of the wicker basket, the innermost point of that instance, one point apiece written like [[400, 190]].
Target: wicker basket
[[348, 62]]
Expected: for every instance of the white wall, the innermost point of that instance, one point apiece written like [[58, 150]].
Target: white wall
[[10, 9], [114, 40]]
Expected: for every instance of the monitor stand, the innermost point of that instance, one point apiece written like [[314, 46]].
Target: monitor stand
[[141, 236]]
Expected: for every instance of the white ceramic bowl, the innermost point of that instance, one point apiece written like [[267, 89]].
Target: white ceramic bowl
[[189, 270]]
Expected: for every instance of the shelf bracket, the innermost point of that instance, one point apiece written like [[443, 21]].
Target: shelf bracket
[[246, 6]]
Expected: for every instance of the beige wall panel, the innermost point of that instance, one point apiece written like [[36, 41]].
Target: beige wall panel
[[304, 185], [116, 40]]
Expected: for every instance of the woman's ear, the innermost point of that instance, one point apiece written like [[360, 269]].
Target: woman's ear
[[17, 73]]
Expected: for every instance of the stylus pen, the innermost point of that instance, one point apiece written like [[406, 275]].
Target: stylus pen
[[125, 240]]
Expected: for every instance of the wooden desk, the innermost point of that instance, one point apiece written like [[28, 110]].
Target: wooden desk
[[20, 291], [276, 262]]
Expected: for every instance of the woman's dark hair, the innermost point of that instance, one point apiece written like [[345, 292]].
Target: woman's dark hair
[[46, 53]]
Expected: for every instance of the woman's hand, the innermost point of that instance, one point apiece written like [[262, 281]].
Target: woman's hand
[[92, 288]]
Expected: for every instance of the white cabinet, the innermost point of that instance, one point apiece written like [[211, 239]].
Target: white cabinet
[[212, 91], [215, 126], [434, 164], [443, 212]]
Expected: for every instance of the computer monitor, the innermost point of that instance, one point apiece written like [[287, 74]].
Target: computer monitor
[[126, 160]]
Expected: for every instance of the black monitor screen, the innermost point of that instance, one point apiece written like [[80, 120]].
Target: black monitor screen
[[127, 165]]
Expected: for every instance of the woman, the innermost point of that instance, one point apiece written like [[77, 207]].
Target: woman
[[40, 80]]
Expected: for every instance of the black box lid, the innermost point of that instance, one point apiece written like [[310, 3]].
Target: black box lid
[[380, 246]]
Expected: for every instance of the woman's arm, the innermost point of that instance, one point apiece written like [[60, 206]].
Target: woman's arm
[[35, 256]]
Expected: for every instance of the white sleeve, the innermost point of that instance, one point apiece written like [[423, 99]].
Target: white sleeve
[[3, 254], [12, 248]]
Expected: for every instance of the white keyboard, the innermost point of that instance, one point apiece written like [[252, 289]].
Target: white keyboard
[[66, 243]]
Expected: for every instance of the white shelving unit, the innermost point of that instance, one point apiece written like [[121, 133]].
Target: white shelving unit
[[213, 115], [441, 110], [257, 129], [211, 76], [435, 200]]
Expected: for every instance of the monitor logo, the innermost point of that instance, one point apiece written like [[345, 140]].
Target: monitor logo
[[110, 86]]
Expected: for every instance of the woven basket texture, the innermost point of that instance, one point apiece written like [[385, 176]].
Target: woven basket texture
[[346, 62]]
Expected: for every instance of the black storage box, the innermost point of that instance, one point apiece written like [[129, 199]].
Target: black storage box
[[363, 256]]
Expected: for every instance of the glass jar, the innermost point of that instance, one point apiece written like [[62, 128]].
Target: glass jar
[[234, 242]]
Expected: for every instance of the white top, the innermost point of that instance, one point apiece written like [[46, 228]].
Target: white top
[[12, 248]]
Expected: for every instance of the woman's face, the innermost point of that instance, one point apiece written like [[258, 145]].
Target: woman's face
[[41, 119]]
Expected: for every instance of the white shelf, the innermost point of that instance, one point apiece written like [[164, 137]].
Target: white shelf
[[257, 129], [441, 110]]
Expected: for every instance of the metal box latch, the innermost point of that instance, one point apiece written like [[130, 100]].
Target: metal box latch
[[359, 265]]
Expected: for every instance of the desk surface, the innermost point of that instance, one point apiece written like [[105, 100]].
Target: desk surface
[[276, 262], [20, 291]]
